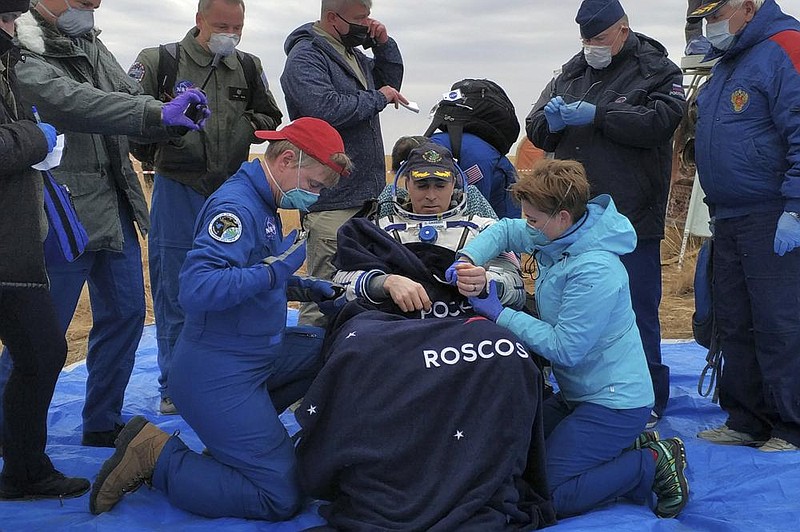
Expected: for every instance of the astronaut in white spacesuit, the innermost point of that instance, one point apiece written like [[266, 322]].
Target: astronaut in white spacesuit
[[434, 209]]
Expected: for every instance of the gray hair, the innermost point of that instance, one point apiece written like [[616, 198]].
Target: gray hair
[[738, 3], [204, 5], [338, 5]]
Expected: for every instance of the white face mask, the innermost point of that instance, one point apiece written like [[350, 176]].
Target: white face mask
[[223, 43], [599, 57], [719, 33]]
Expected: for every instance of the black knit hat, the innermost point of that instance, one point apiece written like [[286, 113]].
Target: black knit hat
[[11, 6]]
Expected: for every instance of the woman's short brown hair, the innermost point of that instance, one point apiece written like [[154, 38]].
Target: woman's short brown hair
[[554, 185]]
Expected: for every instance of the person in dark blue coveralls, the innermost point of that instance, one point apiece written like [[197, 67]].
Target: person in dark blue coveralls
[[587, 329], [236, 364]]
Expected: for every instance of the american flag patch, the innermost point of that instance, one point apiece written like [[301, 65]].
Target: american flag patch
[[474, 174], [677, 90], [511, 257]]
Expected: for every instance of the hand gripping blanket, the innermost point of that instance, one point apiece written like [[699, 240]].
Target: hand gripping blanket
[[362, 245]]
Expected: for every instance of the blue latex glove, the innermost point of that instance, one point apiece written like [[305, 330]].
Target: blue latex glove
[[578, 113], [320, 289], [289, 256], [489, 305], [173, 112], [787, 235], [450, 274], [49, 134], [552, 113]]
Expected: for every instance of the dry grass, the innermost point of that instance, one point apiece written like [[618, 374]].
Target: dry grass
[[677, 303]]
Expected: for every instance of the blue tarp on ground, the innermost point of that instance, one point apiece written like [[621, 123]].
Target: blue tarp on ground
[[732, 488]]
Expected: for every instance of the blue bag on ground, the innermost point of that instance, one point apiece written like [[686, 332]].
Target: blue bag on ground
[[66, 238]]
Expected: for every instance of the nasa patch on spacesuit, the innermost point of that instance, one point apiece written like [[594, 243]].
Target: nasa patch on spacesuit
[[225, 227]]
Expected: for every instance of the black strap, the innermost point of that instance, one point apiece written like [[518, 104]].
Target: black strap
[[250, 74], [168, 57]]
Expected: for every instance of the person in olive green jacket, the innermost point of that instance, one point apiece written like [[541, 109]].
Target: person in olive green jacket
[[188, 169]]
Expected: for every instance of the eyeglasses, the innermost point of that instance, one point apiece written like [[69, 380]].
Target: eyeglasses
[[8, 18]]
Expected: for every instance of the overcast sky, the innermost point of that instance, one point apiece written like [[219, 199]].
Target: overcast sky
[[517, 43]]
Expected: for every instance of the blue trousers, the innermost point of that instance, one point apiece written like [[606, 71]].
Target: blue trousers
[[173, 210], [644, 273], [587, 464], [116, 292], [230, 390], [757, 308]]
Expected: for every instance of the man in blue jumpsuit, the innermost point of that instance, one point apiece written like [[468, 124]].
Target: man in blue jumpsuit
[[748, 160], [236, 364]]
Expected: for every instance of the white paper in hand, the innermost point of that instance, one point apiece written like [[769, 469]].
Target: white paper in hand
[[53, 158], [411, 106]]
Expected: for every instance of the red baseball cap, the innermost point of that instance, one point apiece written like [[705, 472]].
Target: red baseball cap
[[315, 137]]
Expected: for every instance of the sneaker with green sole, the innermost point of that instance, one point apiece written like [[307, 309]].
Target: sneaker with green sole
[[670, 484]]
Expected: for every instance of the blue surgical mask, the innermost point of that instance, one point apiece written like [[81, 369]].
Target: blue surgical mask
[[73, 22], [300, 199], [719, 33], [537, 236], [295, 198]]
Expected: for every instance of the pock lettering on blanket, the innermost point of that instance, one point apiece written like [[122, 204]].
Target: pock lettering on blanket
[[470, 353], [447, 309]]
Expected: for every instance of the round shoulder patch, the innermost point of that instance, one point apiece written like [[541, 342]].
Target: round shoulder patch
[[136, 71], [225, 228], [740, 101]]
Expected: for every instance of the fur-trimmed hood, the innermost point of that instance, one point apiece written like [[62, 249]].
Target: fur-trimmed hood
[[35, 35]]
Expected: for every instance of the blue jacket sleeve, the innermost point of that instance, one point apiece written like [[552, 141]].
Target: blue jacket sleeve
[[217, 275], [580, 324], [307, 82], [507, 234], [387, 68]]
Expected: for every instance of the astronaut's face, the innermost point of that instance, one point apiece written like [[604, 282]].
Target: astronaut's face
[[431, 195]]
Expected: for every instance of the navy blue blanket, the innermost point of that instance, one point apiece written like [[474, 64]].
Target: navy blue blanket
[[424, 424]]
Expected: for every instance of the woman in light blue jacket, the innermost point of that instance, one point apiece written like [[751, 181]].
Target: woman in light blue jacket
[[587, 329]]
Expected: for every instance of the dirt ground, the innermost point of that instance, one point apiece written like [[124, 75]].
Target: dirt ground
[[677, 303]]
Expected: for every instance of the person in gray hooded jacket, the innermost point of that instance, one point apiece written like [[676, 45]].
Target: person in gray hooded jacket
[[327, 77], [78, 86]]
